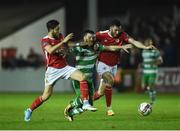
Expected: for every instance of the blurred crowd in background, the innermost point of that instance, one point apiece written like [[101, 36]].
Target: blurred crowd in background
[[162, 23], [11, 61], [163, 30]]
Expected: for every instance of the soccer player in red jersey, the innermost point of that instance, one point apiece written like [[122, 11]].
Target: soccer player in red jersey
[[108, 60], [53, 46]]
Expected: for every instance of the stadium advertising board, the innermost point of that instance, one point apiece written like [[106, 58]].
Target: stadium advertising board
[[168, 80]]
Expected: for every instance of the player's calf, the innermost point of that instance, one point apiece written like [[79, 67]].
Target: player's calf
[[101, 88]]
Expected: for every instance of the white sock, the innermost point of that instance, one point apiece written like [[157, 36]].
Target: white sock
[[109, 108], [85, 102]]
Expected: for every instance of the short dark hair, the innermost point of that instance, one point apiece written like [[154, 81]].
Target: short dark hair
[[51, 24], [115, 22], [87, 31]]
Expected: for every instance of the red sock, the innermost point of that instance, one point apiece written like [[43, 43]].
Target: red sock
[[108, 95], [37, 102], [84, 90], [96, 96]]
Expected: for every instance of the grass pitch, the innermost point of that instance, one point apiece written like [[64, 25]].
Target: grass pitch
[[165, 114]]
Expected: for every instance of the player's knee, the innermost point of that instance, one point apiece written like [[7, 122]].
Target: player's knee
[[46, 96], [83, 77], [108, 78], [108, 87]]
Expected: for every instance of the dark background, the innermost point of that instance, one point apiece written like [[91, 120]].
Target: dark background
[[143, 17]]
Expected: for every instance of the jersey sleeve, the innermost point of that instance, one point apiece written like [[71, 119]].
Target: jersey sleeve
[[125, 37], [98, 36], [44, 42]]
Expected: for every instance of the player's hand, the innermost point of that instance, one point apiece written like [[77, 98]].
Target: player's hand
[[68, 37], [151, 47]]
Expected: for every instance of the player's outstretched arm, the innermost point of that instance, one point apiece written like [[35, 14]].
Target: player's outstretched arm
[[138, 44], [126, 47], [68, 37], [118, 48], [73, 44], [51, 49]]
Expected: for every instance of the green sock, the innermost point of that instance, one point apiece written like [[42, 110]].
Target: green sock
[[77, 102], [75, 111], [152, 95]]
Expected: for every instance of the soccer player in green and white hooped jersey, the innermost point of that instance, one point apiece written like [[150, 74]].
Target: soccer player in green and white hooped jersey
[[86, 54], [151, 60], [85, 61]]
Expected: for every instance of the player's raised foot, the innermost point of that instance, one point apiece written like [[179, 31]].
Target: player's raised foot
[[27, 115], [88, 107], [66, 112], [110, 112], [69, 118]]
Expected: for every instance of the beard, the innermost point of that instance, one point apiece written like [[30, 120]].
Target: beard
[[115, 36], [56, 36]]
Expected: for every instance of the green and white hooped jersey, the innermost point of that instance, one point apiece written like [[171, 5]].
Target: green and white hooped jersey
[[149, 58], [86, 58]]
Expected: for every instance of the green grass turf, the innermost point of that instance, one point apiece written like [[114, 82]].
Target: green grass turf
[[165, 115]]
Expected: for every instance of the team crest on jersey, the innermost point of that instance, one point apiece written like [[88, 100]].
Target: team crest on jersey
[[105, 40], [117, 40]]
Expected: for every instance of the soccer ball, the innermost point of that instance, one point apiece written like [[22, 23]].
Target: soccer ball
[[145, 109]]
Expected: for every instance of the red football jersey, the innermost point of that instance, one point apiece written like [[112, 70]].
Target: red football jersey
[[109, 57], [55, 59]]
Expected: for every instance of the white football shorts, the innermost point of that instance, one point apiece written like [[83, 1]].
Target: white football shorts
[[53, 74], [102, 68]]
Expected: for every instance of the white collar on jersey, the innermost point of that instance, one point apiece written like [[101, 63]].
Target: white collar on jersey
[[47, 36]]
